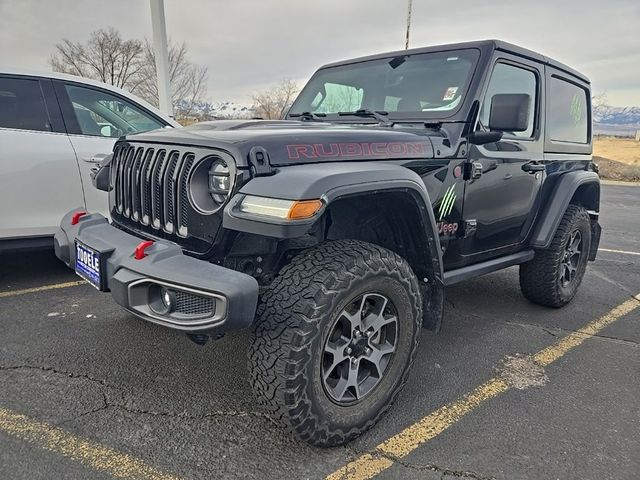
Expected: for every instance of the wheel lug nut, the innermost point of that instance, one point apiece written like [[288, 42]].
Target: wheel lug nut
[[367, 350], [348, 351]]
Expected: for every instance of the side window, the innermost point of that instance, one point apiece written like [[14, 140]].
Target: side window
[[567, 116], [509, 79], [22, 105], [101, 114], [338, 98]]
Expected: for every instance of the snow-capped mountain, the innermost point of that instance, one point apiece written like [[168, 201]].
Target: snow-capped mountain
[[202, 111], [607, 114]]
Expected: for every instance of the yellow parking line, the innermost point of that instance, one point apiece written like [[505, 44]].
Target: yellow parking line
[[93, 455], [13, 293], [400, 445]]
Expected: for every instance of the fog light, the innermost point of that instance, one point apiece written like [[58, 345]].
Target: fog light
[[166, 299], [162, 301]]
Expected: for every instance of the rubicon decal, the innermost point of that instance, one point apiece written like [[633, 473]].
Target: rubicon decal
[[360, 149], [447, 202]]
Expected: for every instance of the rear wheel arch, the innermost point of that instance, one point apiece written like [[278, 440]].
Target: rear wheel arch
[[588, 195]]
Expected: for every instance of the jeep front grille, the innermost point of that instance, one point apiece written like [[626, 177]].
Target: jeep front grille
[[150, 185]]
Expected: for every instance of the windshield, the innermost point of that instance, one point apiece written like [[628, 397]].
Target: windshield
[[405, 86]]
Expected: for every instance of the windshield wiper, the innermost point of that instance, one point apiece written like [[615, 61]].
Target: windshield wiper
[[379, 115], [308, 116]]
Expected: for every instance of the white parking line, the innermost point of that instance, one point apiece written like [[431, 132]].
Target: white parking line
[[624, 252]]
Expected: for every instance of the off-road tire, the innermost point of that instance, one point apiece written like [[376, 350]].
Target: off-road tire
[[293, 319], [540, 280]]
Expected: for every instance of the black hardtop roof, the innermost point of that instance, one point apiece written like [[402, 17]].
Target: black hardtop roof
[[480, 44]]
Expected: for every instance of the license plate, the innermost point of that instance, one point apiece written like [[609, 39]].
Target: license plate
[[88, 265]]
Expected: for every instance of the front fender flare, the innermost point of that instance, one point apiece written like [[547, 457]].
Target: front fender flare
[[331, 182]]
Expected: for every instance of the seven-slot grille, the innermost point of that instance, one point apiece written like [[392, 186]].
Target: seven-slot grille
[[150, 186]]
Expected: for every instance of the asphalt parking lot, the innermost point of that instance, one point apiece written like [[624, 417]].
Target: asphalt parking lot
[[507, 390]]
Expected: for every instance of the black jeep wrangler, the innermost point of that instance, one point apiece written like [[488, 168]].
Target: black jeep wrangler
[[331, 234]]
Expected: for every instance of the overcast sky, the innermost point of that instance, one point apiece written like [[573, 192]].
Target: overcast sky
[[250, 44]]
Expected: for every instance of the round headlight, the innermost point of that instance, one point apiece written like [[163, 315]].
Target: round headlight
[[210, 184], [219, 181]]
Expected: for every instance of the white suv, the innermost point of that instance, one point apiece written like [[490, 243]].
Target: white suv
[[54, 129]]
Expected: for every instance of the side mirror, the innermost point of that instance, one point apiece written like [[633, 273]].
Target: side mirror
[[482, 138], [105, 131], [100, 177], [509, 112]]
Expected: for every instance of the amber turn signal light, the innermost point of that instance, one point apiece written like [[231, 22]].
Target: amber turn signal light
[[304, 209]]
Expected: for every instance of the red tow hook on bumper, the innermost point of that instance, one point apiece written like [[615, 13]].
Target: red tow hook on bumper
[[139, 253], [76, 216]]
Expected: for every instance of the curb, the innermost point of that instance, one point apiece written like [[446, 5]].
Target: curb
[[620, 183]]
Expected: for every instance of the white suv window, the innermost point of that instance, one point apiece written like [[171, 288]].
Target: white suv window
[[101, 114], [22, 105]]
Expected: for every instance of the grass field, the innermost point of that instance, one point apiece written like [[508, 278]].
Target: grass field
[[618, 158]]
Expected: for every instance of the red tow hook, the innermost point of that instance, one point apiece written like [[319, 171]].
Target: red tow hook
[[142, 246], [76, 216]]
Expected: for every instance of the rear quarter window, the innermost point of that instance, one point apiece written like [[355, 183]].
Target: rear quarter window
[[22, 105], [568, 114]]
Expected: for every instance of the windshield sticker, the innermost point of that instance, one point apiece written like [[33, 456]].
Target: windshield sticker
[[450, 94]]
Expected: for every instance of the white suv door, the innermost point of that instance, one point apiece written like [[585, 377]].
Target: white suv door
[[39, 178], [95, 120]]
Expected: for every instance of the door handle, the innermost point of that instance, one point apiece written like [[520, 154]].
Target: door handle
[[476, 170], [533, 167], [97, 158]]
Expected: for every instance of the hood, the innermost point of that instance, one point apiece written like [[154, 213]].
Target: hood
[[288, 142]]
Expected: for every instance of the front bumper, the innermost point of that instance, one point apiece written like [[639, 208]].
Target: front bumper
[[232, 295]]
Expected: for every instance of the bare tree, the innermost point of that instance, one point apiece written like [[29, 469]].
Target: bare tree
[[105, 57], [599, 100], [130, 64], [274, 102], [188, 81]]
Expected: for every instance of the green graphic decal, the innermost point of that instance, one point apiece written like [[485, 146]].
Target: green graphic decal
[[446, 204], [577, 108]]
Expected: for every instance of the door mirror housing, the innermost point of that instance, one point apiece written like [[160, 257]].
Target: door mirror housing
[[509, 112], [482, 137], [105, 131]]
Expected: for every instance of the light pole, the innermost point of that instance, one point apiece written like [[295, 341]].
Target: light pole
[[406, 43], [162, 56]]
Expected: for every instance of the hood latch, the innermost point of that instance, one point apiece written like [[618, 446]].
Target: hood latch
[[259, 161]]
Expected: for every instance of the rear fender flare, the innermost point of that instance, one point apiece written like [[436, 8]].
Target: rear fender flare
[[559, 199]]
